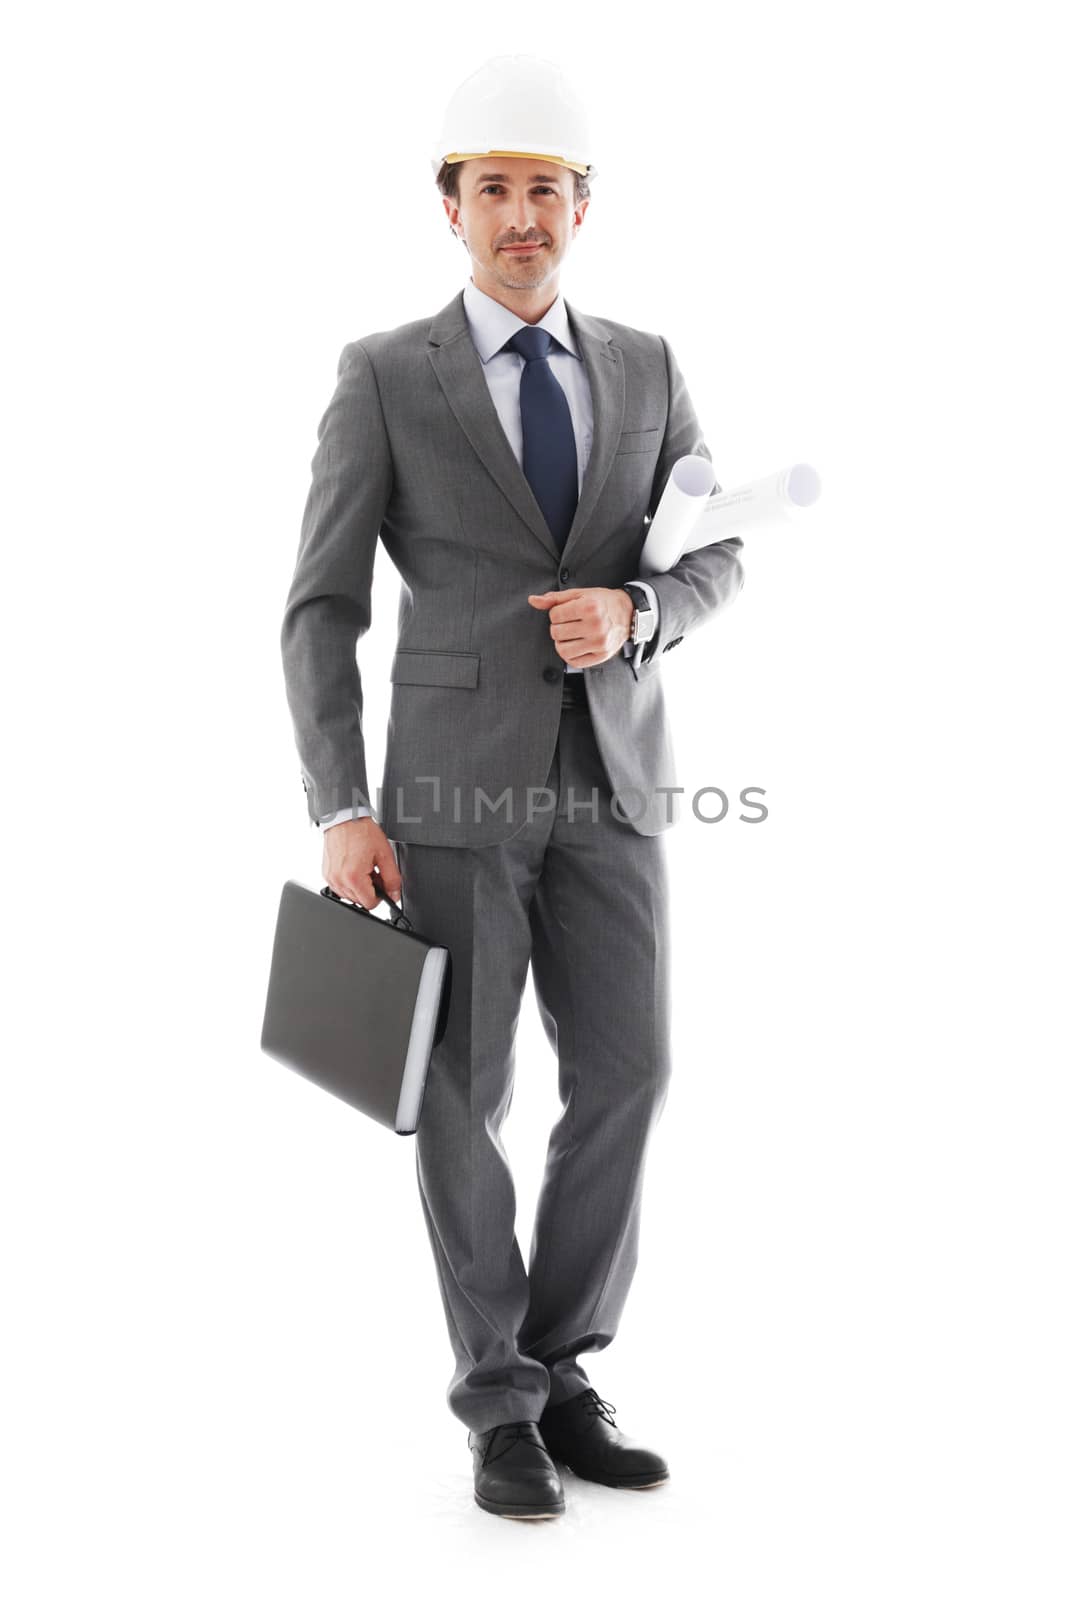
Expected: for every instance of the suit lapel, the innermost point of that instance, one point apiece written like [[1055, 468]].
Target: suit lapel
[[459, 371]]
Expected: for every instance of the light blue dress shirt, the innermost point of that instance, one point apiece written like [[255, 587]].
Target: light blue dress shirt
[[491, 326]]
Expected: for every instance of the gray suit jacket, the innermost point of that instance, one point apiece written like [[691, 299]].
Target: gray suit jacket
[[411, 451]]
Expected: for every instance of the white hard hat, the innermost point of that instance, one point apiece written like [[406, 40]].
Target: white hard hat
[[515, 106]]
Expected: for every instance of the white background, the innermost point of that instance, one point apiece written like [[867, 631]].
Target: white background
[[226, 1357]]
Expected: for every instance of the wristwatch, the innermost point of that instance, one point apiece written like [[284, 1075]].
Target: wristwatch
[[643, 622]]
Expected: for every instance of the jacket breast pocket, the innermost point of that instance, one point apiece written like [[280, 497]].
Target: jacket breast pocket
[[448, 669], [638, 439]]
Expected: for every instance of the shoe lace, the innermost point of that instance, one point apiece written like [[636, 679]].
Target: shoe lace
[[506, 1434], [595, 1405]]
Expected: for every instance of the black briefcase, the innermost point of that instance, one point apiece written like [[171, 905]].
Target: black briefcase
[[356, 1004]]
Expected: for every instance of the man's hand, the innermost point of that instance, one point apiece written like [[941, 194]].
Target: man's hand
[[350, 851], [589, 626]]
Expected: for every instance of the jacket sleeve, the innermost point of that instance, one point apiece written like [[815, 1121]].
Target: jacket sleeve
[[328, 608], [701, 582]]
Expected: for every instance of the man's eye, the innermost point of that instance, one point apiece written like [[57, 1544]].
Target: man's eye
[[545, 187]]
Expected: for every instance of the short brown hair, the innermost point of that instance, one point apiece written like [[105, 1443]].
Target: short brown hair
[[447, 181]]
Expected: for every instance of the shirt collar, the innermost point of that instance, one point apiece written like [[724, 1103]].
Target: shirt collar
[[492, 325]]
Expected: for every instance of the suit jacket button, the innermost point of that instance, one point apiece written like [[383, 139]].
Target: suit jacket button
[[564, 574], [552, 674]]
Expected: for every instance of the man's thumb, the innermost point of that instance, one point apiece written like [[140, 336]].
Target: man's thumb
[[390, 877]]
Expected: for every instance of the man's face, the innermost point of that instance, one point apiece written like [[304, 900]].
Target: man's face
[[510, 201]]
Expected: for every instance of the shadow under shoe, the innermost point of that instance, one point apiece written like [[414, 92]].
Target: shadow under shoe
[[514, 1474], [582, 1436]]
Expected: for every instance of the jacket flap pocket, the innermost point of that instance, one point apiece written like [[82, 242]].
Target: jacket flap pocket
[[638, 439], [451, 669]]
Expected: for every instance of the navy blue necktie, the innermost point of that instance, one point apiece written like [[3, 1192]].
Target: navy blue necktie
[[549, 457]]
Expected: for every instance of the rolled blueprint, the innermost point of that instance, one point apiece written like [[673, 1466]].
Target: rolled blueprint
[[686, 494], [782, 498], [689, 516]]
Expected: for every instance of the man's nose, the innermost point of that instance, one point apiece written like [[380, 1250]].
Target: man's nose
[[522, 217]]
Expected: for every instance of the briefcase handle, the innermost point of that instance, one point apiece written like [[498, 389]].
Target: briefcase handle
[[396, 915]]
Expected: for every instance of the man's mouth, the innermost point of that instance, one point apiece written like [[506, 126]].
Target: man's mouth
[[521, 249]]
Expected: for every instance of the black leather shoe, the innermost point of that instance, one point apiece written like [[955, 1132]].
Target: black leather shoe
[[514, 1475], [581, 1435]]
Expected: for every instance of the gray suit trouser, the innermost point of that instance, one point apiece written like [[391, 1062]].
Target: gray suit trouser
[[582, 898]]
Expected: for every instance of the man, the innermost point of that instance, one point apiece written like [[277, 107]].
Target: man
[[508, 452]]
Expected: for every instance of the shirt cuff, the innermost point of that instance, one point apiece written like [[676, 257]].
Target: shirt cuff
[[332, 818]]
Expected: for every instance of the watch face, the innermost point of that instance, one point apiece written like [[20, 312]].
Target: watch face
[[641, 622]]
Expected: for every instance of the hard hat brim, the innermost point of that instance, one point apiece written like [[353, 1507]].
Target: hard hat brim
[[583, 168]]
